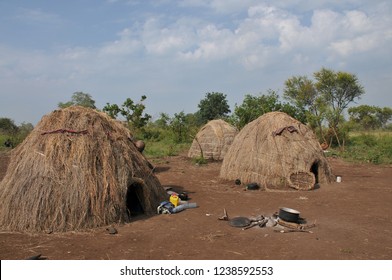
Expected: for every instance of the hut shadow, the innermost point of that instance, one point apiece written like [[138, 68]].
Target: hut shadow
[[159, 169], [177, 189], [139, 217]]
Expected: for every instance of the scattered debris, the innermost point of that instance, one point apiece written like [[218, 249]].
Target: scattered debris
[[299, 225], [262, 222], [112, 230], [271, 222]]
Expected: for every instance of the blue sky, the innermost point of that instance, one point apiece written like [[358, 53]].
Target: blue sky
[[175, 52]]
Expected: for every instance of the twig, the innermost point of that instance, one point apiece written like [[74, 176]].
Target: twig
[[225, 217], [293, 230]]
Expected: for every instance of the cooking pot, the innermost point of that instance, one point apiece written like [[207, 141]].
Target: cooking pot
[[289, 215]]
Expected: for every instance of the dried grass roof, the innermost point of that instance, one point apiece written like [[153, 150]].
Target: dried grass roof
[[213, 140], [273, 150], [73, 172]]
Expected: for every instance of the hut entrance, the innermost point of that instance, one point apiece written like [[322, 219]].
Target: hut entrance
[[134, 200], [314, 169]]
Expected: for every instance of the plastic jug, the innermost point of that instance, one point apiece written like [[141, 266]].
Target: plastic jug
[[174, 199]]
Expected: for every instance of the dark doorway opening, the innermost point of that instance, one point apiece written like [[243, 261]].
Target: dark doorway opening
[[315, 170], [134, 200]]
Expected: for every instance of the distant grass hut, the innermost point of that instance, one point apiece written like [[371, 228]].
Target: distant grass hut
[[77, 169], [277, 151], [213, 140]]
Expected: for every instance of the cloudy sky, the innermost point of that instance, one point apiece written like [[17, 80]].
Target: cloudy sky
[[175, 52]]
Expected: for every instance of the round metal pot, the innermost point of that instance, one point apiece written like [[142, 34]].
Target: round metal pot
[[289, 215]]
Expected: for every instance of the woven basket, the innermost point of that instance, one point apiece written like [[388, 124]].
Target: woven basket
[[303, 181]]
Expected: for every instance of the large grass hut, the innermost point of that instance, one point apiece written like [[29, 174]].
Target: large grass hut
[[213, 140], [77, 169], [277, 151]]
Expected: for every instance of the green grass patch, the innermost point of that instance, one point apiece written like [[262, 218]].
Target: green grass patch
[[164, 148], [199, 160], [375, 133], [373, 147]]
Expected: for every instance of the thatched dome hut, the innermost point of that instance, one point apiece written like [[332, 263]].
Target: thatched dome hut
[[277, 151], [213, 140], [76, 170]]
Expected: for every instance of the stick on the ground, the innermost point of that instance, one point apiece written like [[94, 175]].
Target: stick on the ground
[[225, 217]]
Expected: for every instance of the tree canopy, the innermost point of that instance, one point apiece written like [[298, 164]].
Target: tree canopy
[[325, 98], [370, 117], [8, 126], [254, 106], [131, 111], [79, 98], [213, 106]]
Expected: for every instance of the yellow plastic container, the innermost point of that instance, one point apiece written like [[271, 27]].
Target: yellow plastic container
[[174, 199]]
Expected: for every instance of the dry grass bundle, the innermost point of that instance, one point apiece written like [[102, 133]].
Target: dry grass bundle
[[271, 149], [76, 170], [213, 140]]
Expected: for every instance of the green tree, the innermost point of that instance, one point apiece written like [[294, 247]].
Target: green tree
[[131, 111], [254, 106], [213, 106], [178, 126], [112, 110], [8, 126], [385, 116], [326, 98], [163, 121], [79, 98], [302, 93], [338, 90], [370, 117]]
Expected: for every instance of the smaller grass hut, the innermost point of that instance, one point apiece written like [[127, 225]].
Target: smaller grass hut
[[277, 151], [213, 140], [77, 169]]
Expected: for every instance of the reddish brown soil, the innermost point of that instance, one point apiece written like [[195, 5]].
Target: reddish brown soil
[[353, 218]]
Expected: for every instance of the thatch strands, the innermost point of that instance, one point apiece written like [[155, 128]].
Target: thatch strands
[[213, 140], [277, 151], [76, 170]]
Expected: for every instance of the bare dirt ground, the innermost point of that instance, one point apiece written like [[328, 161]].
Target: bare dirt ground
[[353, 221]]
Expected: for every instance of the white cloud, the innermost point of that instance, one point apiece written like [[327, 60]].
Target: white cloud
[[354, 46], [186, 55], [267, 33], [124, 46], [159, 39]]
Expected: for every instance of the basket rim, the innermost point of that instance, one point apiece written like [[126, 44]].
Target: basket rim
[[309, 185]]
